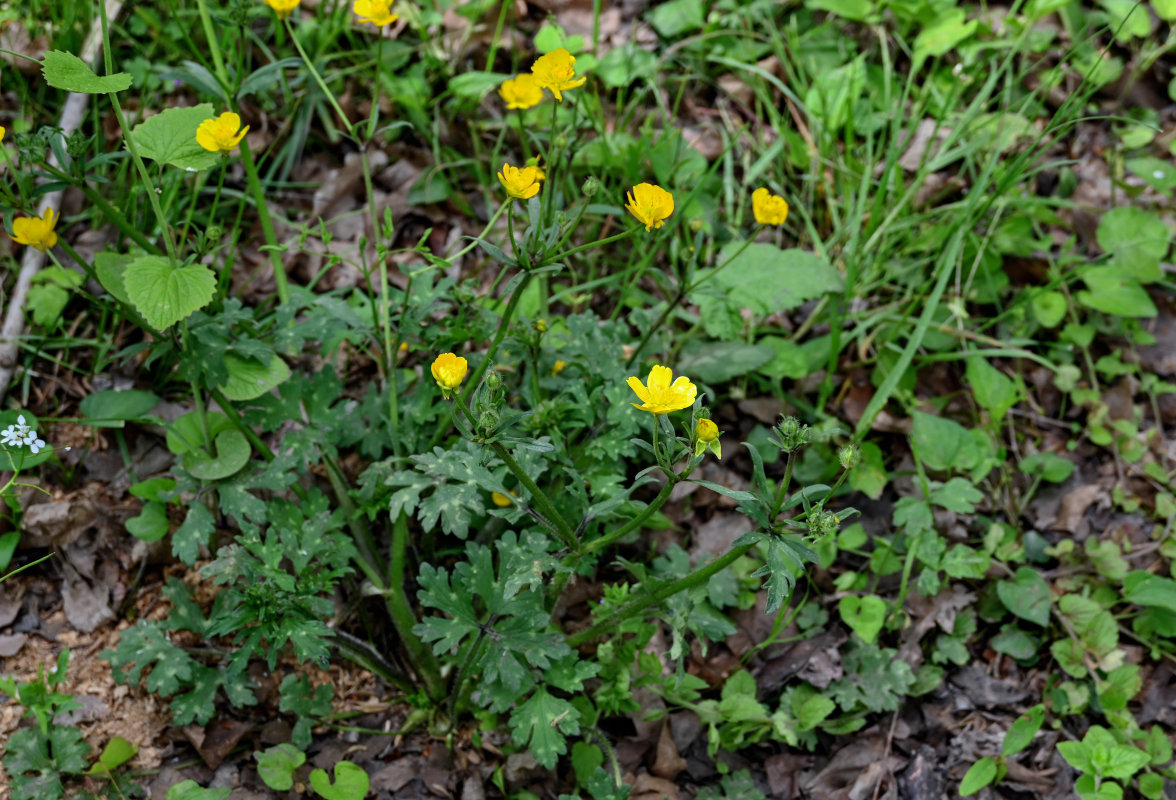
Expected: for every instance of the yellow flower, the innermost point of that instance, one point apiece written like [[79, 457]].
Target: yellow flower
[[769, 209], [520, 182], [707, 433], [377, 12], [283, 7], [36, 231], [500, 500], [558, 367], [650, 204], [449, 371], [521, 91], [221, 135], [2, 132], [557, 71], [659, 396]]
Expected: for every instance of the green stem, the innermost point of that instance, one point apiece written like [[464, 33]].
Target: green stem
[[657, 594], [539, 498], [405, 619], [654, 327], [218, 61], [480, 370], [597, 243], [636, 522], [267, 224], [314, 73]]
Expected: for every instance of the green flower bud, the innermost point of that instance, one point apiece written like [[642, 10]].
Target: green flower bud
[[591, 186], [849, 456]]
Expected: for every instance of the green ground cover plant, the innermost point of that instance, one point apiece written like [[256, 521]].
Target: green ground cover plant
[[570, 379]]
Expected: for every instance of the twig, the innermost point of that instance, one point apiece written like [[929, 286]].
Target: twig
[[33, 259]]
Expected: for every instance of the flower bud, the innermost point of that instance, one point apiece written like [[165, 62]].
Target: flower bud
[[488, 421], [540, 325], [493, 382], [591, 186], [707, 430], [849, 456], [791, 435]]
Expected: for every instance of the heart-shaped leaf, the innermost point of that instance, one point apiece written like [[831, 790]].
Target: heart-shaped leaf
[[165, 295], [864, 615]]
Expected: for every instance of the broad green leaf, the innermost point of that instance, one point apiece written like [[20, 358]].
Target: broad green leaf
[[230, 453], [249, 379], [1165, 9], [164, 295], [186, 433], [962, 561], [766, 279], [1049, 308], [625, 64], [1121, 761], [110, 268], [813, 711], [1022, 731], [585, 759], [1128, 19], [958, 495], [476, 84], [67, 71], [676, 17], [151, 525], [944, 34], [1016, 643], [1112, 292], [117, 752], [789, 360], [1120, 687], [979, 775], [1049, 466], [994, 391], [944, 444], [276, 765], [1155, 172], [1151, 784], [719, 362], [1145, 589], [1136, 240], [856, 10], [864, 615], [191, 790], [169, 137], [351, 782], [1026, 595], [118, 404]]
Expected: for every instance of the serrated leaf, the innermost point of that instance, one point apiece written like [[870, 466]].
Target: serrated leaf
[[163, 294], [351, 782], [110, 268], [67, 71], [169, 137], [540, 724], [197, 528], [864, 615], [767, 280]]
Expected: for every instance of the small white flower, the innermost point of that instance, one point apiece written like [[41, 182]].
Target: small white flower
[[10, 436], [36, 445]]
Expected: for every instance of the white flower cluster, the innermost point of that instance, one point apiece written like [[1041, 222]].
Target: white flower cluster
[[21, 434]]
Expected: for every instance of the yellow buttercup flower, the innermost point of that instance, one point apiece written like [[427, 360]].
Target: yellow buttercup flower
[[707, 433], [558, 367], [500, 500], [283, 7], [520, 182], [650, 204], [2, 132], [557, 71], [659, 395], [768, 208], [449, 370], [377, 12], [521, 91], [221, 135], [36, 231]]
